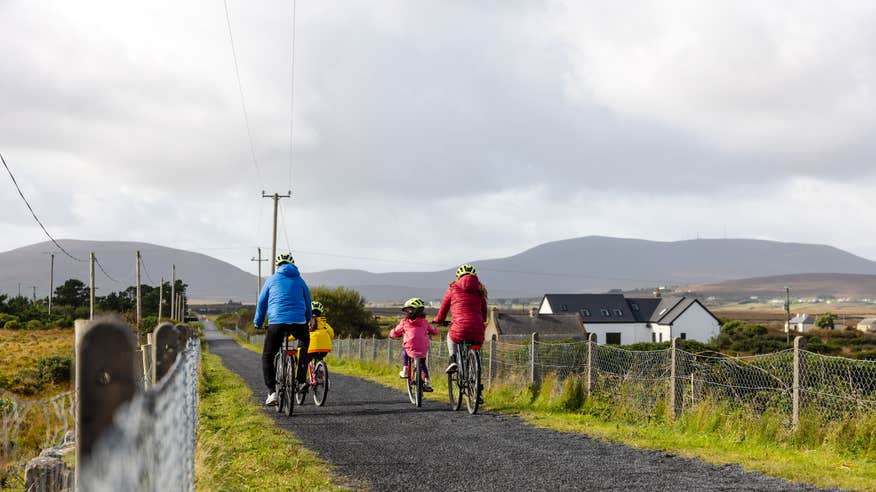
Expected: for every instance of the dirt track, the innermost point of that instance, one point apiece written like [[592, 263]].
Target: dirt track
[[374, 436]]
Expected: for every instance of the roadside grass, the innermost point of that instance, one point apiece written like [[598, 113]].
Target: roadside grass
[[20, 355], [239, 447], [840, 454]]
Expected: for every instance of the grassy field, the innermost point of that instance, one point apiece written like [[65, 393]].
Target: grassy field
[[240, 448], [840, 455], [20, 354]]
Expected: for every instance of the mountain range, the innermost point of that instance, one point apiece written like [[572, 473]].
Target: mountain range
[[585, 264]]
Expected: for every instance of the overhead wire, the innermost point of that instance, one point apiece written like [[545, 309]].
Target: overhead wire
[[97, 261], [146, 270], [38, 221], [255, 161], [285, 229], [292, 97]]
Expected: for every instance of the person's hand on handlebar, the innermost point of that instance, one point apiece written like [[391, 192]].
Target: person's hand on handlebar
[[440, 323]]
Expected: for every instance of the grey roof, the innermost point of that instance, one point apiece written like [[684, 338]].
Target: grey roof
[[545, 324], [868, 321], [644, 307], [593, 307], [803, 318]]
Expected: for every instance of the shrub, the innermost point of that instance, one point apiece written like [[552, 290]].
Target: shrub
[[34, 324], [13, 325], [55, 369], [5, 318]]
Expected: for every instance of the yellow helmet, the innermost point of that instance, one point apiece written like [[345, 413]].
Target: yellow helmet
[[317, 306], [415, 303], [284, 258], [465, 270]]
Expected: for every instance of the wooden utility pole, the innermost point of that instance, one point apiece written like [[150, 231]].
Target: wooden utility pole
[[34, 293], [160, 298], [276, 197], [260, 260], [139, 311], [788, 314], [173, 292], [51, 283], [91, 292]]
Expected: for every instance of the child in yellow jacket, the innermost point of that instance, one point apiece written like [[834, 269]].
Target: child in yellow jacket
[[321, 333]]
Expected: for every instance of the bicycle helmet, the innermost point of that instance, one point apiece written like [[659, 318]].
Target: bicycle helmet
[[465, 270], [317, 306], [283, 258], [414, 303]]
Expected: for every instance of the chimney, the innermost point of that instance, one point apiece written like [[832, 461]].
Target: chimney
[[533, 312], [657, 292]]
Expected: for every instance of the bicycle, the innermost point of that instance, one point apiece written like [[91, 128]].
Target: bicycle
[[466, 380], [318, 380], [414, 379], [285, 362]]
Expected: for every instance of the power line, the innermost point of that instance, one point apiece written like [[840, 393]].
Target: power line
[[97, 261], [285, 230], [34, 213], [146, 270], [255, 161], [292, 97]]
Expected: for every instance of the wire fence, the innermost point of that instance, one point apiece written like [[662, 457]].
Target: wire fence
[[790, 382], [29, 426], [152, 444]]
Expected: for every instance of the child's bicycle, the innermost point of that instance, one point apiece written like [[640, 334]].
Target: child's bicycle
[[318, 382], [414, 380], [467, 379], [285, 362]]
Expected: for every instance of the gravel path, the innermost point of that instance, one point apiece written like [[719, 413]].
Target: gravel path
[[375, 436]]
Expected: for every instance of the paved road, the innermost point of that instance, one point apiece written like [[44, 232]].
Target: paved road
[[375, 436]]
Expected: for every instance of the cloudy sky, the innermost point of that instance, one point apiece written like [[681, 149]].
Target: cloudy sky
[[430, 133]]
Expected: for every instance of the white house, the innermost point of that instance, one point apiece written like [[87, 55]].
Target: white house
[[620, 320], [867, 325], [801, 323]]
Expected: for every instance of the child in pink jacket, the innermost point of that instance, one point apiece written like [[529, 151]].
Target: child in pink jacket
[[416, 331]]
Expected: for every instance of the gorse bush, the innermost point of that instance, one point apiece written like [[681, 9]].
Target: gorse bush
[[55, 369]]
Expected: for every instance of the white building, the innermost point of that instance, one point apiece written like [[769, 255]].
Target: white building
[[867, 325], [801, 323], [620, 320]]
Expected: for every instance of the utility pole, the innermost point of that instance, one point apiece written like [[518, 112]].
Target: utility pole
[[91, 292], [19, 289], [51, 283], [260, 260], [788, 314], [276, 197], [173, 292], [34, 294], [160, 298], [139, 312]]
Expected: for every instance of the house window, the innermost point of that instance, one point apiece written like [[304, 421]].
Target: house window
[[653, 337], [634, 306], [605, 313], [618, 312], [564, 308], [585, 312], [613, 338], [684, 336], [660, 337]]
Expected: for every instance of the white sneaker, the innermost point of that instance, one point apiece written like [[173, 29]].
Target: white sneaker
[[403, 374], [272, 399], [451, 368]]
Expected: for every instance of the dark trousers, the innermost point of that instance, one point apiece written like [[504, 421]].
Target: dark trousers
[[274, 336]]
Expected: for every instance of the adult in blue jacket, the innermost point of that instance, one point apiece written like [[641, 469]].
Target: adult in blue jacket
[[285, 300]]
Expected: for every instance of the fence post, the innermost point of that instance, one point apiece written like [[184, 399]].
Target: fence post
[[440, 345], [676, 390], [373, 347], [591, 358], [799, 374], [533, 359], [105, 379], [361, 347], [164, 351], [491, 369], [389, 351]]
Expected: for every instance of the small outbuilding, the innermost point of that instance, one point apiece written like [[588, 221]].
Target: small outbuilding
[[867, 325], [801, 323], [506, 326]]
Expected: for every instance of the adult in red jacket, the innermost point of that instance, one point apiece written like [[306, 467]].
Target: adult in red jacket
[[466, 299]]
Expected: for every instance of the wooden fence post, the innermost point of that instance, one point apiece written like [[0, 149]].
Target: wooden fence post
[[361, 347], [389, 351], [373, 347], [491, 369], [799, 376], [591, 360], [533, 359], [105, 379], [164, 351], [676, 387]]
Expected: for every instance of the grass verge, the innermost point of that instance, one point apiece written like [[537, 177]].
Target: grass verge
[[240, 448]]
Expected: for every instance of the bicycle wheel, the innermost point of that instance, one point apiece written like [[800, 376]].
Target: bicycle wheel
[[321, 377], [473, 382], [411, 383], [454, 389], [290, 386], [300, 397], [280, 380], [419, 384]]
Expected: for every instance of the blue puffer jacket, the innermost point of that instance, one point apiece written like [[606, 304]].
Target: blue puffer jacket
[[285, 298]]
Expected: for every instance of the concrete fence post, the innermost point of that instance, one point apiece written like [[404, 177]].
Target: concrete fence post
[[167, 345], [676, 386], [373, 347], [491, 368], [389, 350], [591, 362], [799, 380], [105, 379], [533, 359], [361, 347]]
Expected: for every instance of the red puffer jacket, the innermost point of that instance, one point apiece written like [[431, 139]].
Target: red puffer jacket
[[467, 303]]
